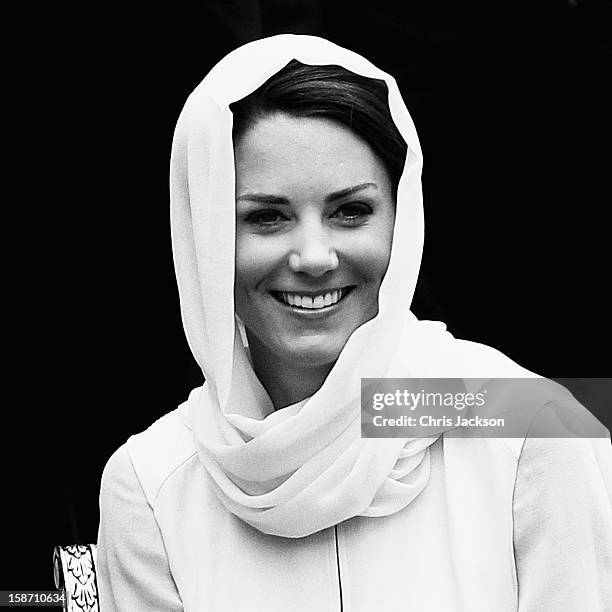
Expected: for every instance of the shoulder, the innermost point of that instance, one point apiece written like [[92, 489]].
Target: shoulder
[[563, 481], [147, 459], [550, 438], [562, 515], [133, 571], [564, 436], [539, 417], [118, 471]]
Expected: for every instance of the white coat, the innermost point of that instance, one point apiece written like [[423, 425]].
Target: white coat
[[502, 526]]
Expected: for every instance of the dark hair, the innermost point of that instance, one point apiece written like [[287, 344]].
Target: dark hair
[[335, 93]]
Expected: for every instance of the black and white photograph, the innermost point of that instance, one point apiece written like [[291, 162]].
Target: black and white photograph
[[309, 308]]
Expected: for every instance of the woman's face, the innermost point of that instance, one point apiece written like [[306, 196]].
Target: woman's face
[[314, 224]]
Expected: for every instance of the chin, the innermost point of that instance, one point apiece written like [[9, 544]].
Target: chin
[[314, 352]]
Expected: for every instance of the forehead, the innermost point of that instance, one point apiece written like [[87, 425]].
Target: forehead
[[287, 153]]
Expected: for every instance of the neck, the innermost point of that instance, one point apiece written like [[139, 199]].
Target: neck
[[285, 382]]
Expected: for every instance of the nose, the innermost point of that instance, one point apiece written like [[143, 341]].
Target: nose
[[312, 252]]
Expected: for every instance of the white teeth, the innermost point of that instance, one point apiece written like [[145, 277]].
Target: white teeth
[[313, 303]]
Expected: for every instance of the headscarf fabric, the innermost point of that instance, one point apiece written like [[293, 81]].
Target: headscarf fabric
[[305, 467]]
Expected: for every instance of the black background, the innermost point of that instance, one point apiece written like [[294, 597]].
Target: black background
[[511, 102]]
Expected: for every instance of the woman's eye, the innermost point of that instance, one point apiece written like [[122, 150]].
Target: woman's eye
[[353, 214], [265, 218]]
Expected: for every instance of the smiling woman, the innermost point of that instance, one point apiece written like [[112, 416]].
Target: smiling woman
[[297, 227], [315, 208]]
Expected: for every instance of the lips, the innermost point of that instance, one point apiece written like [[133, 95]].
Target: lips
[[312, 300]]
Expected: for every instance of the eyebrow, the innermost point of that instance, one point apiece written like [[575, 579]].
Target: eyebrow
[[266, 198]]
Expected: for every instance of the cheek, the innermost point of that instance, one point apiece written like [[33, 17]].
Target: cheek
[[376, 261], [383, 253], [371, 251], [255, 257]]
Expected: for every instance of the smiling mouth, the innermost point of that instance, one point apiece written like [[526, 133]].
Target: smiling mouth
[[317, 301]]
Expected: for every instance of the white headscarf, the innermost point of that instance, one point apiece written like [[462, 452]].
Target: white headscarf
[[305, 467]]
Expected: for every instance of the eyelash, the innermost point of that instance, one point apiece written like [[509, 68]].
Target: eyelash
[[257, 217]]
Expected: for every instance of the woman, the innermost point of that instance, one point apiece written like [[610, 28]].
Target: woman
[[297, 233]]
